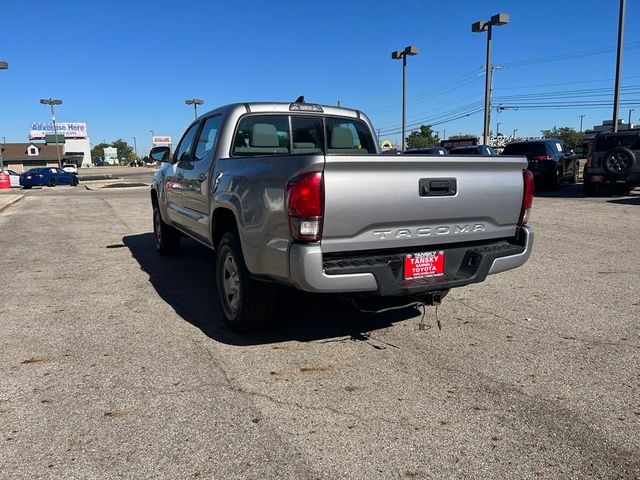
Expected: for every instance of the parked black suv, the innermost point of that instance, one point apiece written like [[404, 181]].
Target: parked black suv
[[473, 150], [614, 161], [549, 161]]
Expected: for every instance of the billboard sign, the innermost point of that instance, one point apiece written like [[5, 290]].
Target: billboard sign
[[38, 130], [110, 155], [161, 140]]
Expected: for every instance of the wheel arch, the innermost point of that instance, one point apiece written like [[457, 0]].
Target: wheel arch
[[223, 220]]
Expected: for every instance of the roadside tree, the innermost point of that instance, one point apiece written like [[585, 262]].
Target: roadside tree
[[97, 152], [125, 151], [425, 137], [568, 135]]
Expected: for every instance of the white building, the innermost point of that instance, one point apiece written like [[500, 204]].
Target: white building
[[76, 147]]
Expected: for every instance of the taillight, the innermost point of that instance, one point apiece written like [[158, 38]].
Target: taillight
[[542, 157], [305, 206], [527, 197]]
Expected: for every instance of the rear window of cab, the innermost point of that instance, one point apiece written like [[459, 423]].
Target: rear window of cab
[[301, 135]]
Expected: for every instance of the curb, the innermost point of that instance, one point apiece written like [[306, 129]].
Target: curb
[[11, 202]]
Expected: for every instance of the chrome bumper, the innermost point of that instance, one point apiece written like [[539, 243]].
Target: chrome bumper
[[503, 264], [306, 272]]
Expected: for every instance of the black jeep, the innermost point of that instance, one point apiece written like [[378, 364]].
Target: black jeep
[[613, 161]]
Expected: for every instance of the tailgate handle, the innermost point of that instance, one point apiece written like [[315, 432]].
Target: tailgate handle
[[437, 187]]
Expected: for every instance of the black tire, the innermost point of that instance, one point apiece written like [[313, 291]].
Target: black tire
[[74, 182], [247, 304], [167, 238], [27, 187], [556, 181], [590, 189], [576, 173], [52, 182], [618, 161]]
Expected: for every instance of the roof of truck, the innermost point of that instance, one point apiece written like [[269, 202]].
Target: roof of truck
[[293, 107]]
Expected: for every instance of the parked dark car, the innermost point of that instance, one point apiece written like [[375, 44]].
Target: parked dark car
[[549, 160], [47, 176], [427, 151], [473, 150], [614, 161]]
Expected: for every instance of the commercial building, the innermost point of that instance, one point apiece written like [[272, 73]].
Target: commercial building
[[73, 136], [23, 156]]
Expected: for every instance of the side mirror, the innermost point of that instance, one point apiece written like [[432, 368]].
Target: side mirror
[[160, 154]]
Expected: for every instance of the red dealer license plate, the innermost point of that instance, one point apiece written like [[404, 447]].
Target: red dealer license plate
[[421, 265]]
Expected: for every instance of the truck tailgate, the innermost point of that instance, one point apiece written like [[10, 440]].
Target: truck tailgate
[[378, 202]]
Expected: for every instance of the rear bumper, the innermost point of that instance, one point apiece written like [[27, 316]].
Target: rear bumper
[[599, 175], [381, 272]]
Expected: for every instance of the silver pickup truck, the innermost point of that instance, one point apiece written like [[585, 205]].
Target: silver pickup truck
[[297, 194]]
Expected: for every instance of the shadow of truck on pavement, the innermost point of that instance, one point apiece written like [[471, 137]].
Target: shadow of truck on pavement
[[187, 283]]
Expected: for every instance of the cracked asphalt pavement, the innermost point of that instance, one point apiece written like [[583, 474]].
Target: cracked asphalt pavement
[[114, 363]]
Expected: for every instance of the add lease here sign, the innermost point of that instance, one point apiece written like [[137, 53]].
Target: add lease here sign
[[420, 265]]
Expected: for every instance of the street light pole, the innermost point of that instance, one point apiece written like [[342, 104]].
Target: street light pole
[[135, 148], [397, 55], [498, 128], [514, 132], [631, 110], [51, 102], [195, 102], [616, 92], [498, 19], [581, 117]]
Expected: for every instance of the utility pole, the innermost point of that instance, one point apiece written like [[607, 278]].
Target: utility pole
[[135, 148], [616, 92], [581, 117]]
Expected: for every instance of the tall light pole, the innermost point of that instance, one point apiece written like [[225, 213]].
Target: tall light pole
[[411, 50], [51, 102], [498, 128], [195, 102], [581, 117], [135, 148], [514, 132], [616, 92], [3, 66], [631, 110], [497, 20]]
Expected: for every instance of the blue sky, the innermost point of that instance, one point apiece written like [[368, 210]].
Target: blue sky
[[126, 68]]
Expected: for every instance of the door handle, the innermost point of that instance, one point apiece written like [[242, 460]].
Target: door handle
[[202, 177]]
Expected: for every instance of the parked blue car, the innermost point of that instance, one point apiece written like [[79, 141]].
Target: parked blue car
[[47, 176]]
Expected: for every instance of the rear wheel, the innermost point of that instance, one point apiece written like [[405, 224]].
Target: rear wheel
[[167, 238], [26, 187], [576, 172], [556, 181], [52, 182], [74, 182], [247, 304]]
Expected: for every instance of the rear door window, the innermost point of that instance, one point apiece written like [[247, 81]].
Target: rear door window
[[308, 135], [348, 137], [532, 148], [608, 142], [262, 135]]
